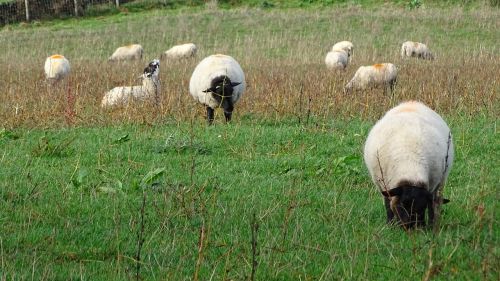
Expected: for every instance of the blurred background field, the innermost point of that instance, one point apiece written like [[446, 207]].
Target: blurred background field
[[281, 51]]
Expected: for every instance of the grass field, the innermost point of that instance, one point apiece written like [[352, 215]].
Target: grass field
[[281, 193]]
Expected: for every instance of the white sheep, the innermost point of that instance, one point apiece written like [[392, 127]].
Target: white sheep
[[409, 154], [380, 74], [180, 52], [416, 49], [344, 45], [336, 59], [150, 88], [130, 52], [56, 68], [217, 81]]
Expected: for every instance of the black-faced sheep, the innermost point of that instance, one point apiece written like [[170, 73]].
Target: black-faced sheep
[[217, 81], [150, 88], [409, 154]]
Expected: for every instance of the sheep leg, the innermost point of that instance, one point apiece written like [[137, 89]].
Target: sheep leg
[[436, 209], [390, 213], [228, 116], [392, 84], [210, 115], [227, 104], [430, 210]]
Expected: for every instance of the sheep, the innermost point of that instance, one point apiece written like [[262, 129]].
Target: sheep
[[149, 89], [380, 74], [180, 52], [336, 59], [344, 45], [130, 52], [409, 154], [217, 80], [416, 49], [56, 68]]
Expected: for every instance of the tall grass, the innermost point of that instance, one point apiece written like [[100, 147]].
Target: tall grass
[[280, 54]]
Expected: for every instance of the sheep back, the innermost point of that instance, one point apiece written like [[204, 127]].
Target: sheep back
[[409, 144], [211, 67], [336, 59], [120, 95], [344, 45], [181, 51], [56, 67], [373, 75], [130, 52]]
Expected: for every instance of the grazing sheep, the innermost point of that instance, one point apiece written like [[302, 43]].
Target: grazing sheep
[[150, 88], [56, 68], [344, 45], [409, 153], [380, 74], [180, 52], [416, 49], [217, 80], [130, 52], [337, 59]]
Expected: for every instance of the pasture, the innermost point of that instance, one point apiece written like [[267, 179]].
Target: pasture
[[151, 192]]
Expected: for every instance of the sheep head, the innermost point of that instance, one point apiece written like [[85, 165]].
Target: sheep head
[[348, 88], [222, 89], [409, 202], [152, 70]]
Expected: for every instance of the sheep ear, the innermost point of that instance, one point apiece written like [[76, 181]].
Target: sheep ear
[[234, 84], [393, 192], [445, 201]]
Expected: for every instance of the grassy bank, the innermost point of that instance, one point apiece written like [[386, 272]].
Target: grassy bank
[[73, 201]]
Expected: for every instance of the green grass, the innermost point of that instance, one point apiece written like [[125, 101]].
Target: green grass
[[94, 11], [71, 202]]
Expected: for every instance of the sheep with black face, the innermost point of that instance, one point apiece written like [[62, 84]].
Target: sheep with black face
[[217, 81], [409, 154], [149, 90]]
